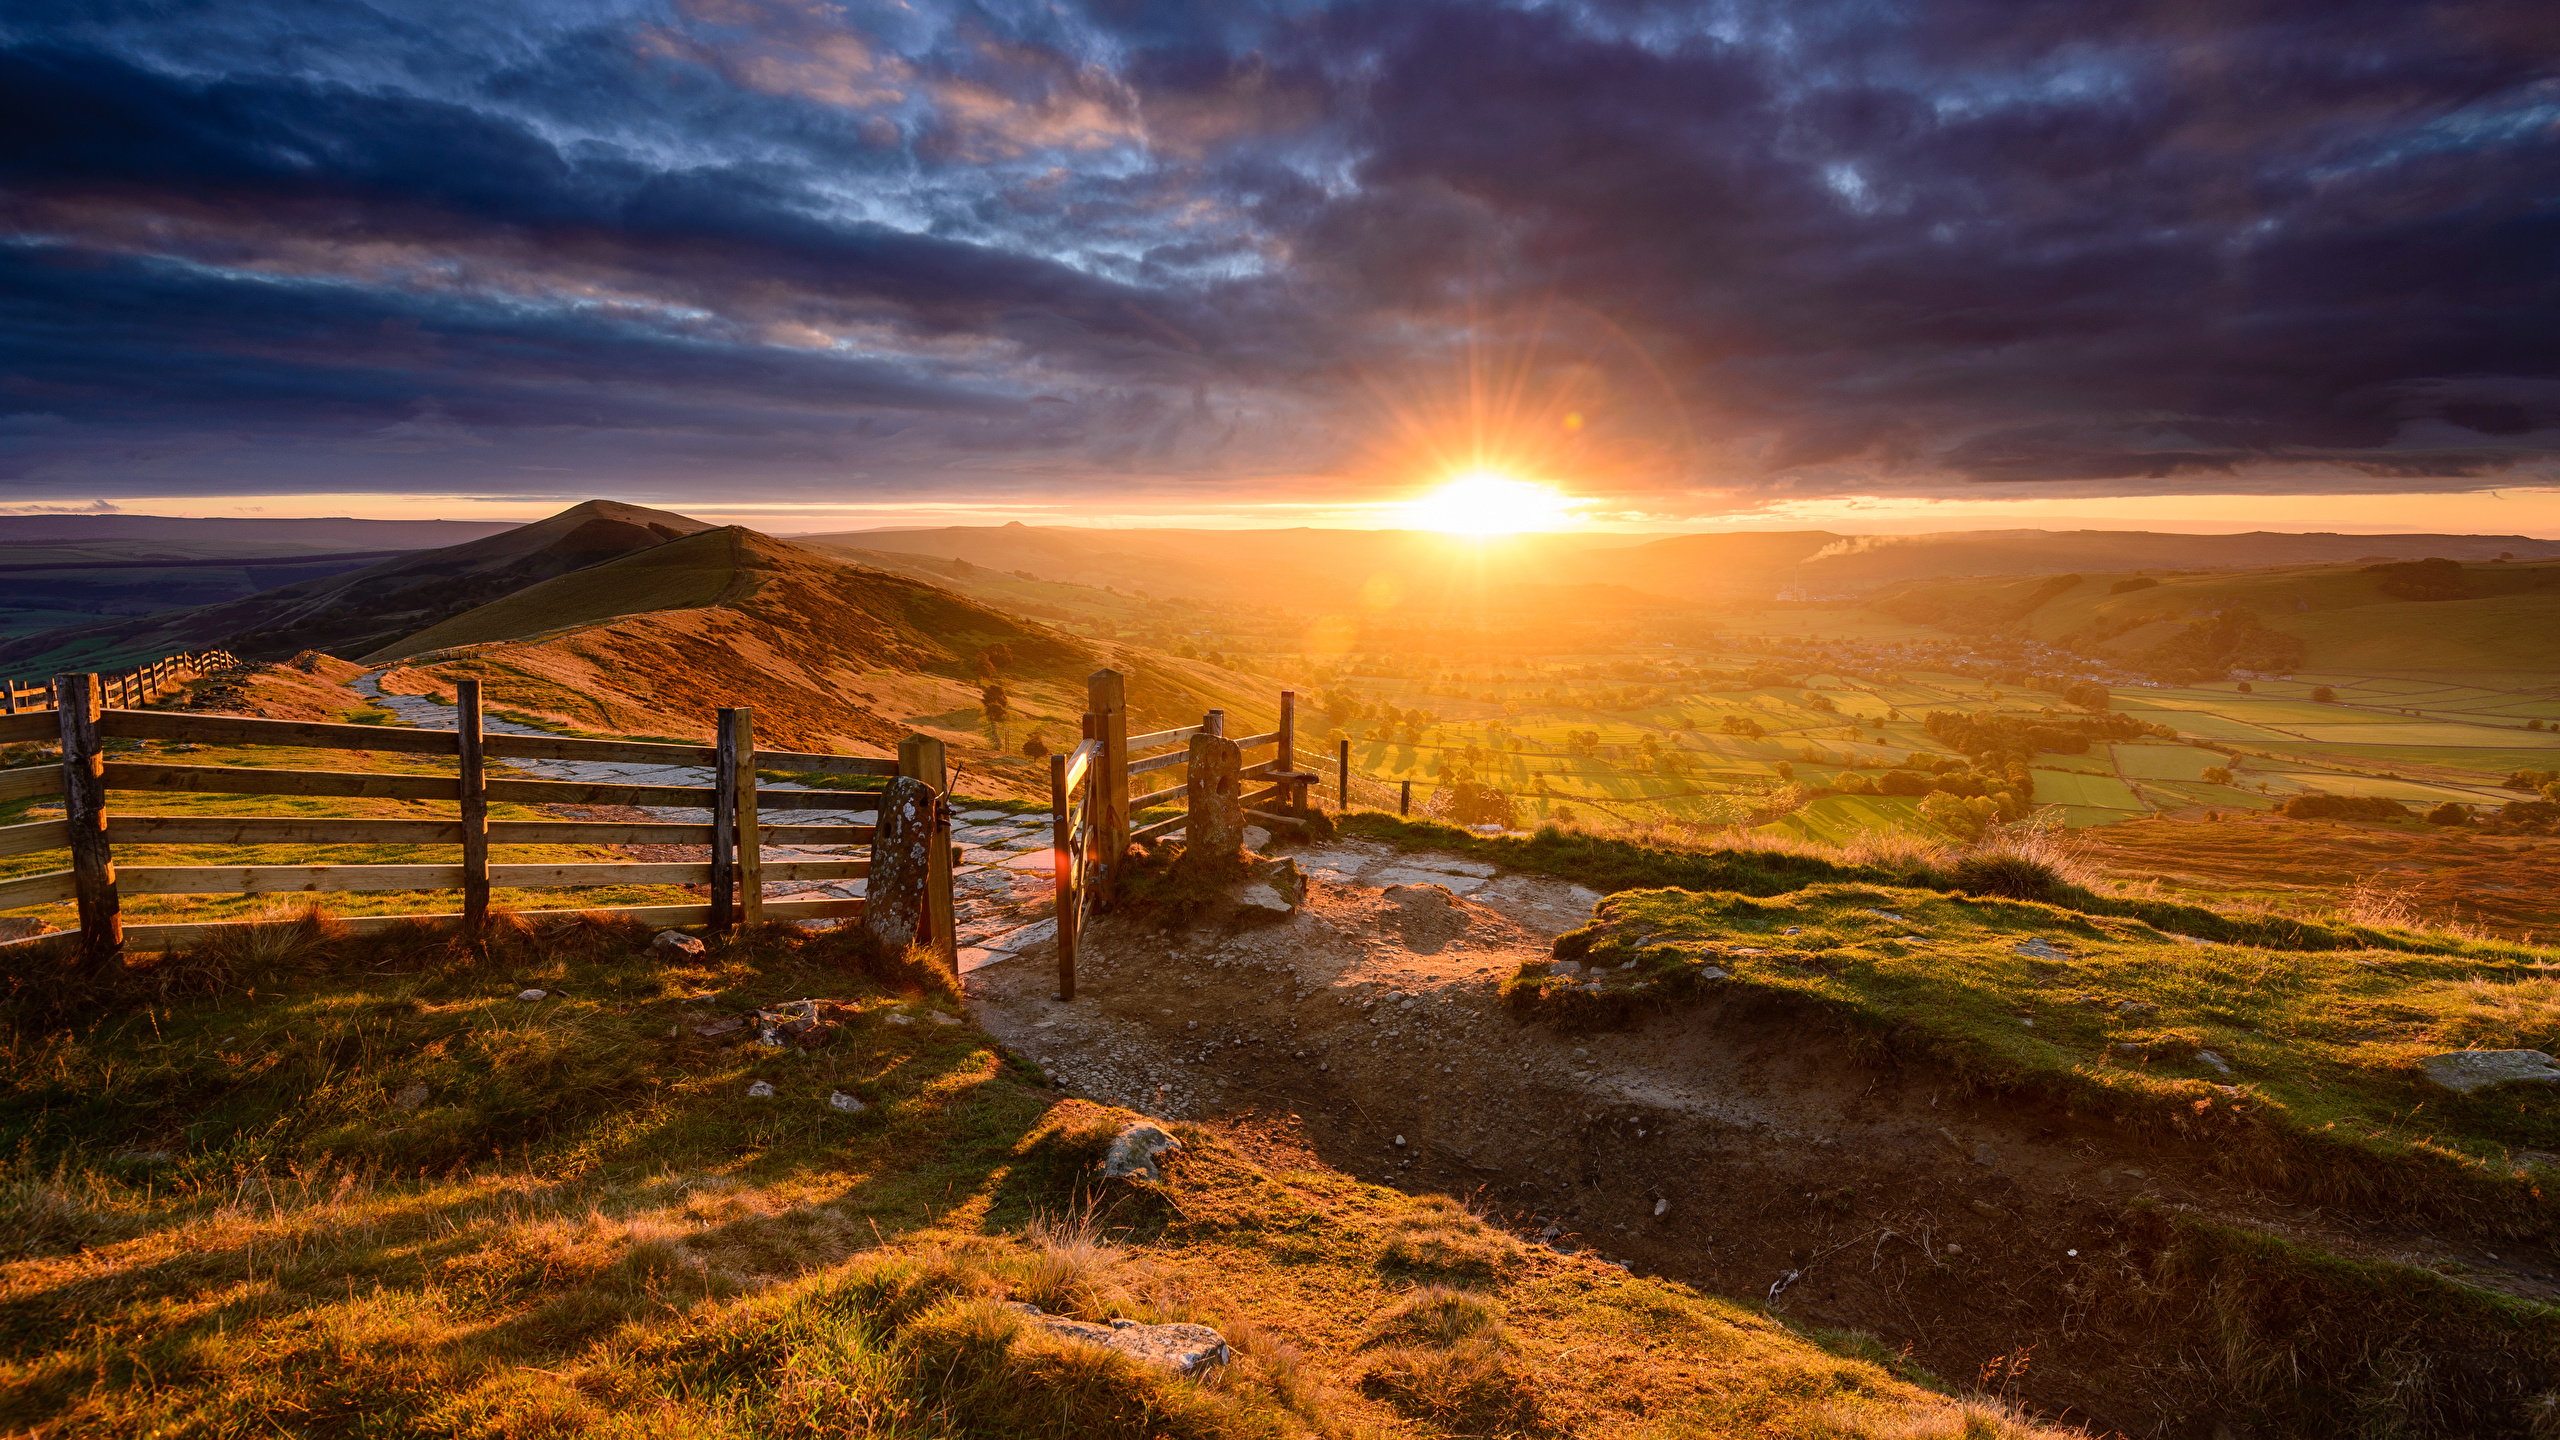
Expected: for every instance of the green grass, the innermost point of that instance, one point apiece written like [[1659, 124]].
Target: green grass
[[2111, 1011], [360, 1189], [2064, 787]]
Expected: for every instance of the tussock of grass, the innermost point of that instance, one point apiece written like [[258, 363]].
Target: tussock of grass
[[1444, 1357]]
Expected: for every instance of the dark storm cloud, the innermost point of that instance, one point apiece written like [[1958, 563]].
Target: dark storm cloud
[[783, 243]]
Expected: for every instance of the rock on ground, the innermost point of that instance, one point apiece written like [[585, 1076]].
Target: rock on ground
[[2469, 1070], [1180, 1349], [1134, 1150]]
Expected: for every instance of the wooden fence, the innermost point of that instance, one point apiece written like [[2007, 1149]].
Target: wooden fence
[[1090, 796], [910, 836], [125, 689]]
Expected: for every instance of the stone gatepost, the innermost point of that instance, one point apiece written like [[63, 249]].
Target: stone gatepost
[[893, 900], [1215, 831]]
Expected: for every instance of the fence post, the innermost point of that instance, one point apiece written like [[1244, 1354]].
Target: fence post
[[1106, 695], [1062, 874], [84, 806], [1214, 723], [1285, 758], [1404, 804], [9, 688], [474, 809], [750, 842], [724, 829], [923, 758], [1345, 772]]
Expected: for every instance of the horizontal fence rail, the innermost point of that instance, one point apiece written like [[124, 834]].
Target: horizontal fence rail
[[732, 832]]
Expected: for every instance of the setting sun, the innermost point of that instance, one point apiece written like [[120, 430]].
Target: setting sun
[[1486, 502]]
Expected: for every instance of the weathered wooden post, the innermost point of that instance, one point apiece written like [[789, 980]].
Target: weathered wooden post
[[1062, 874], [1404, 803], [84, 806], [724, 823], [1214, 831], [1214, 723], [895, 908], [924, 759], [474, 809], [1106, 696], [1285, 758], [1345, 762], [9, 689], [750, 842]]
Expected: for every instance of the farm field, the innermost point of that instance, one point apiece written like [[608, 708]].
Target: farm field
[[2508, 886], [1670, 758]]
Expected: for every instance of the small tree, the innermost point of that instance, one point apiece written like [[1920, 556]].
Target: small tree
[[2216, 775], [2245, 690], [1036, 747], [2323, 695], [995, 705]]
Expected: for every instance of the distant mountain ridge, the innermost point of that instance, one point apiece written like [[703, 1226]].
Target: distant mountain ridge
[[334, 532], [1337, 569]]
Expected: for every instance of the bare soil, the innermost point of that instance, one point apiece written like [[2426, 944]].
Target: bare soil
[[1734, 1145]]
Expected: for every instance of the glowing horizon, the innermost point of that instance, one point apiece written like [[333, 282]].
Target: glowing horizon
[[1490, 502]]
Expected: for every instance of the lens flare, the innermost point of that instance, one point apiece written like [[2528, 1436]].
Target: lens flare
[[1488, 502]]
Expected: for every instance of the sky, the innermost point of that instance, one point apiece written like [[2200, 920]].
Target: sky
[[2285, 264]]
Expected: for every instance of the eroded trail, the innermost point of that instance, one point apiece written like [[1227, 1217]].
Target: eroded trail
[[1731, 1144]]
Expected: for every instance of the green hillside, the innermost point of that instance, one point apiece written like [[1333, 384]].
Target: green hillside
[[680, 575], [362, 610]]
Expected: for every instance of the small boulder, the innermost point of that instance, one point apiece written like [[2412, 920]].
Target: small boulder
[[761, 1090], [675, 945], [1134, 1150], [2464, 1071], [529, 996], [839, 1100], [1271, 887], [2216, 1062], [410, 1097], [1176, 1349], [2039, 948]]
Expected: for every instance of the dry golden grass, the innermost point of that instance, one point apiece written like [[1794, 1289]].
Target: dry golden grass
[[371, 1192]]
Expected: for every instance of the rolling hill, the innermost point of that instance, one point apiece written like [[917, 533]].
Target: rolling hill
[[830, 656], [363, 609], [2493, 616], [1334, 570]]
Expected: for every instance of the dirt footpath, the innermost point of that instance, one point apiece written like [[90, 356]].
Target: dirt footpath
[[1728, 1144]]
